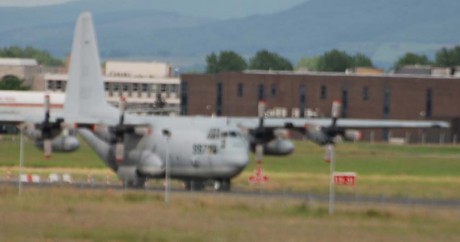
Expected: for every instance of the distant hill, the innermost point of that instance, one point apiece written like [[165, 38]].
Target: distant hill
[[383, 30]]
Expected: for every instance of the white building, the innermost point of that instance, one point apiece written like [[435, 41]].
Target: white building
[[142, 83]]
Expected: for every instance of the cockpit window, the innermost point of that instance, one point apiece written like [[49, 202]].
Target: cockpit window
[[230, 134], [213, 133]]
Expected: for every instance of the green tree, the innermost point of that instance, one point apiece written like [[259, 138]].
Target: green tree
[[411, 59], [12, 83], [335, 61], [361, 60], [309, 63], [448, 57], [266, 60], [225, 61], [42, 57]]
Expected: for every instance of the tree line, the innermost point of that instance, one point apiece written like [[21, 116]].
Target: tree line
[[331, 61], [43, 57]]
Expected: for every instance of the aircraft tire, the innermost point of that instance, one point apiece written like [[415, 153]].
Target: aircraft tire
[[137, 183], [222, 185]]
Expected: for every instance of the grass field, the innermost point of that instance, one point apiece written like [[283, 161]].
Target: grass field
[[66, 214], [416, 171], [69, 214]]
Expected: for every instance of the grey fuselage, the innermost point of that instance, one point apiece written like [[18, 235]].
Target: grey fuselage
[[196, 149]]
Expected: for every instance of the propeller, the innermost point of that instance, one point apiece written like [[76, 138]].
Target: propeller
[[119, 131], [261, 136], [48, 129], [332, 131], [260, 132]]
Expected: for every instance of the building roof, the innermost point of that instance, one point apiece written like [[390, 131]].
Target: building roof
[[17, 62]]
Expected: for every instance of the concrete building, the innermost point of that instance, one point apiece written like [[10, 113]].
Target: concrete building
[[291, 94], [144, 84], [24, 69]]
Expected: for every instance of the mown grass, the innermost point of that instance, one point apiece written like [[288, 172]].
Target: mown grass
[[418, 171], [67, 214]]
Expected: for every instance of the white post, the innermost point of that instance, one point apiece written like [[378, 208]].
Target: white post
[[21, 160], [330, 149]]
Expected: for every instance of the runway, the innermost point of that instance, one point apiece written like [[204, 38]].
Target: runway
[[307, 196]]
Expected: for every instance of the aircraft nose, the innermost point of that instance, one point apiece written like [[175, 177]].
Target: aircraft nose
[[239, 161]]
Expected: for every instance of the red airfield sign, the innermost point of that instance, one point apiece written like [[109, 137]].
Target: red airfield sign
[[258, 177], [345, 178]]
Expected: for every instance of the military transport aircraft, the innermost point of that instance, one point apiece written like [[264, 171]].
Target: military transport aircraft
[[197, 150]]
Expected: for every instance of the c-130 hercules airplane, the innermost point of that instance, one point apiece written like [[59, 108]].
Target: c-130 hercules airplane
[[198, 150]]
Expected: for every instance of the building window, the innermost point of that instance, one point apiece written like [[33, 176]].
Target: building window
[[323, 92], [58, 85], [302, 100], [365, 93], [163, 88], [261, 92], [116, 87], [429, 103], [144, 87], [274, 90], [184, 98], [386, 102], [135, 87], [125, 87], [219, 98], [240, 89], [106, 86], [344, 101], [50, 85]]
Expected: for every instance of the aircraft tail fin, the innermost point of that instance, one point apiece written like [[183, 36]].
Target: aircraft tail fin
[[85, 96]]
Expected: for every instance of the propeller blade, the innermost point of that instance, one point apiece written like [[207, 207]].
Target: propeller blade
[[119, 152], [46, 129], [259, 153], [335, 113], [261, 108], [47, 148], [122, 108], [336, 109], [47, 108]]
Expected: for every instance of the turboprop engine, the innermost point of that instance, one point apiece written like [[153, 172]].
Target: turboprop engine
[[61, 143]]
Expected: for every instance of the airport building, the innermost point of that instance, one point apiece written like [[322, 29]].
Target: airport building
[[310, 94], [144, 84], [23, 69]]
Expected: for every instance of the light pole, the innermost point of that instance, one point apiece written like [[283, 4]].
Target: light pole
[[167, 134], [21, 158]]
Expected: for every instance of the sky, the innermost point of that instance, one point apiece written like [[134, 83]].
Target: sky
[[221, 9]]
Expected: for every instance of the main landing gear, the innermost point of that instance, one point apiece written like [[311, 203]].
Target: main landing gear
[[220, 185]]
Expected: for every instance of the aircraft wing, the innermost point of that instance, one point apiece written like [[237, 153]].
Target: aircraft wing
[[343, 123]]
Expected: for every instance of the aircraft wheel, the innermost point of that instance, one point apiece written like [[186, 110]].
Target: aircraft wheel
[[222, 185], [137, 183]]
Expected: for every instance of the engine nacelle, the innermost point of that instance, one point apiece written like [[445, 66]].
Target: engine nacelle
[[318, 137], [61, 143], [150, 164], [279, 147]]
